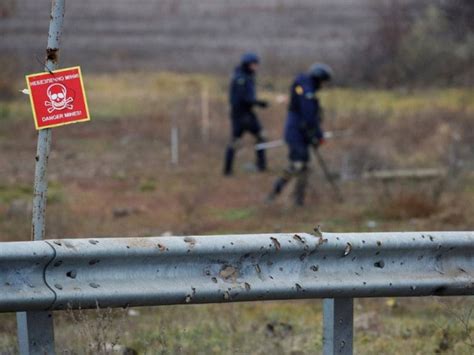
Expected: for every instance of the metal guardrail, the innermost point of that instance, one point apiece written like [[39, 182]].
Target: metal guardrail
[[73, 273], [63, 274]]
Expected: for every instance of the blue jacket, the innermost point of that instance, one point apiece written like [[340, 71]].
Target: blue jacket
[[303, 122], [242, 94]]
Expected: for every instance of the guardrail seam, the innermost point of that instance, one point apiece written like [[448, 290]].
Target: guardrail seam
[[44, 276]]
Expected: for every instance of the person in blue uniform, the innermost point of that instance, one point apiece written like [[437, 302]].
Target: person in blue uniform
[[243, 100], [303, 129]]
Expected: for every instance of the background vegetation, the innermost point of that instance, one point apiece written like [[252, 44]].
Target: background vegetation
[[416, 44]]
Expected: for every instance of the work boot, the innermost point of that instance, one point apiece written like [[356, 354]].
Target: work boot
[[280, 183], [228, 161], [261, 160]]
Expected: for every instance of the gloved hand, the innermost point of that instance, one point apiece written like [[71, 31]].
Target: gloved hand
[[317, 142], [262, 103]]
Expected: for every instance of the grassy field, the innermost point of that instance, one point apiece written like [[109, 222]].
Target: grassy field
[[113, 177]]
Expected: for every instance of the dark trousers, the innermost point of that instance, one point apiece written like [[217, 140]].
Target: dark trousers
[[298, 168], [241, 124]]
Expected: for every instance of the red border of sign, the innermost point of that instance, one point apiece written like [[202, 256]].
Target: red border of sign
[[88, 118]]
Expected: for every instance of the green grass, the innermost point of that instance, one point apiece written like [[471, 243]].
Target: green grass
[[136, 94], [236, 214], [147, 186], [9, 193], [397, 101]]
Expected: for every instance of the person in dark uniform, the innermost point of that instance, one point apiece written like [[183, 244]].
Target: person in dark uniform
[[303, 129], [243, 100]]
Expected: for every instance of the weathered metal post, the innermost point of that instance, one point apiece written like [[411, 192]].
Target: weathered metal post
[[174, 143], [36, 329], [338, 330], [205, 123]]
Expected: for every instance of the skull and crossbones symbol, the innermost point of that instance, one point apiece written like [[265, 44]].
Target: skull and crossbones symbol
[[58, 100]]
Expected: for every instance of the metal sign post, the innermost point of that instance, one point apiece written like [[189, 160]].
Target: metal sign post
[[205, 122], [338, 328], [174, 143], [36, 329]]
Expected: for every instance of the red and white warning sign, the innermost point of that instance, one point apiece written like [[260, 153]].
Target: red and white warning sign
[[58, 99]]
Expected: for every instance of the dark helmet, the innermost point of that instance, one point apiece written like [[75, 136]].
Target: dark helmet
[[250, 57], [321, 71]]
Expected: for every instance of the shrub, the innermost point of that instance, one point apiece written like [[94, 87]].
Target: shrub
[[415, 44]]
